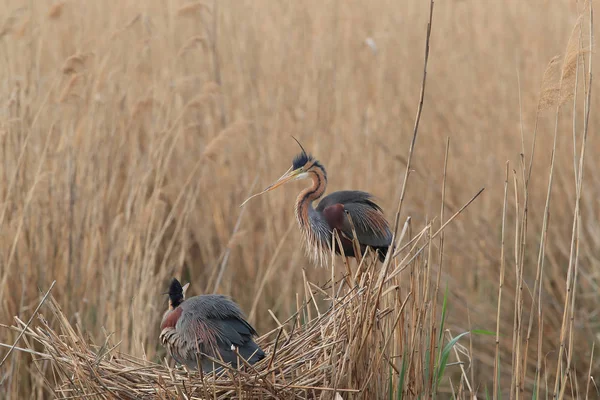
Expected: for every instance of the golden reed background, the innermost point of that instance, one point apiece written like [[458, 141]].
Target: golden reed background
[[131, 131]]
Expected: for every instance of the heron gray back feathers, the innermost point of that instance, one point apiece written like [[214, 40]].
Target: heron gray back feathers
[[210, 325]]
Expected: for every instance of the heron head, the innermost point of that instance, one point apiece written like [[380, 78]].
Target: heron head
[[177, 293], [302, 166]]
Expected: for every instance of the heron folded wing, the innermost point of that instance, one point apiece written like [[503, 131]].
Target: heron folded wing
[[370, 224], [229, 333], [216, 322], [371, 227], [233, 331], [198, 335], [346, 197], [213, 307]]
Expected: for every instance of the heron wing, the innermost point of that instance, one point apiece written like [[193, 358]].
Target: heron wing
[[348, 196], [196, 335], [239, 333], [370, 225], [234, 331], [214, 323]]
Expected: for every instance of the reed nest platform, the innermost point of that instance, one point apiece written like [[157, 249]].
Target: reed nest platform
[[326, 350]]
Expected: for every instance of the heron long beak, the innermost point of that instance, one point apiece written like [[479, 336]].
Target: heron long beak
[[185, 288], [285, 178]]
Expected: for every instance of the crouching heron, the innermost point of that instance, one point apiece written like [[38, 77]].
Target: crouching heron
[[207, 325]]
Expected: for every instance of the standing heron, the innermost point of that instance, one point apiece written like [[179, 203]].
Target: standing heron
[[207, 325], [371, 227]]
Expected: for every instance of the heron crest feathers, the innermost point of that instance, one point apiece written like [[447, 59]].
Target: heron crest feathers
[[301, 160], [176, 293]]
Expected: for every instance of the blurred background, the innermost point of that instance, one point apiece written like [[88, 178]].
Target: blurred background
[[130, 133]]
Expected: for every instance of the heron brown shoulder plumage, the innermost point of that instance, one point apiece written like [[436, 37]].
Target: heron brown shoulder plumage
[[317, 224], [207, 325]]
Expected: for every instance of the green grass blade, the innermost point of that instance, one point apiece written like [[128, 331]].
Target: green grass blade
[[400, 389], [534, 397], [483, 332], [439, 341], [444, 310], [498, 379], [445, 354], [391, 384], [427, 360]]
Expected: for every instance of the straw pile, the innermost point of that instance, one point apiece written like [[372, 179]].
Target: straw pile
[[323, 357]]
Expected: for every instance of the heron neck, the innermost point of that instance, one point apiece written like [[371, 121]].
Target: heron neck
[[310, 194]]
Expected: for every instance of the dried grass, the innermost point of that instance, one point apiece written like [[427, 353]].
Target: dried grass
[[122, 165], [339, 343]]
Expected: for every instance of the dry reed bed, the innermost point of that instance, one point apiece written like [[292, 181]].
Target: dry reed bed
[[304, 366], [336, 345], [132, 210]]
